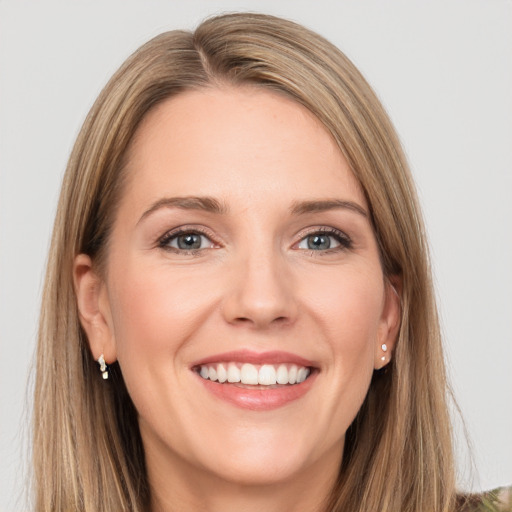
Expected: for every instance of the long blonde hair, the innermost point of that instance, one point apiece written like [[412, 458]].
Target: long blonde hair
[[88, 453]]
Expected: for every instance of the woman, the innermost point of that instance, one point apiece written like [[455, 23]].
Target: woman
[[238, 312]]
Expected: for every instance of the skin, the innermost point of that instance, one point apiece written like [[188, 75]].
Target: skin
[[253, 284]]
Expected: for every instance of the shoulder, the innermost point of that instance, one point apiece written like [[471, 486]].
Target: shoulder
[[497, 500]]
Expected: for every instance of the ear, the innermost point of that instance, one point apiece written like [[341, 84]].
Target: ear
[[94, 309], [389, 322]]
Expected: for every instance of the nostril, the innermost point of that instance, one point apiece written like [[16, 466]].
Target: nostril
[[280, 320], [243, 319]]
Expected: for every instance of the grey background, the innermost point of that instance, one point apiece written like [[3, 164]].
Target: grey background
[[443, 69]]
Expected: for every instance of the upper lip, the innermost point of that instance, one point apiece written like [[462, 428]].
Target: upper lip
[[259, 358]]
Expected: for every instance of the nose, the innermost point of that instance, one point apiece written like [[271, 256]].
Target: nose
[[261, 292]]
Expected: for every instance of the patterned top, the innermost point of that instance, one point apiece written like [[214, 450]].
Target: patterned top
[[498, 500]]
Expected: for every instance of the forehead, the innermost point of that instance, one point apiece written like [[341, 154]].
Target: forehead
[[236, 142]]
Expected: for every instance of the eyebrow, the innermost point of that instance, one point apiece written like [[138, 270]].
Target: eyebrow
[[303, 207], [212, 205], [207, 204]]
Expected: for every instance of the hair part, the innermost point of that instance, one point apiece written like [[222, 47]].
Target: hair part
[[88, 453]]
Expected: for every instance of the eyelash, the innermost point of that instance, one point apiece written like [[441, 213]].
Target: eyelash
[[163, 242], [341, 238]]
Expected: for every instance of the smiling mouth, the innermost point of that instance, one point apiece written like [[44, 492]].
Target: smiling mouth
[[252, 375], [257, 381]]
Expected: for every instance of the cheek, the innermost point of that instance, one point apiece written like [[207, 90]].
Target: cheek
[[154, 313], [348, 307]]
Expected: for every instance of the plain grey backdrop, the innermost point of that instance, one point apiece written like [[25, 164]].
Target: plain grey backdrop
[[443, 69]]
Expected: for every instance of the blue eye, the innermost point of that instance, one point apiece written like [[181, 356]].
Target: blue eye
[[186, 241], [324, 241]]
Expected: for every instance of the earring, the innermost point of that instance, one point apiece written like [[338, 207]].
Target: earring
[[103, 367], [384, 348]]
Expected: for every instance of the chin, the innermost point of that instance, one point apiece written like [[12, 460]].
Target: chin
[[253, 468], [264, 455]]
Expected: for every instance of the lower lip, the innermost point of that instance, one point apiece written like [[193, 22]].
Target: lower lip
[[259, 398]]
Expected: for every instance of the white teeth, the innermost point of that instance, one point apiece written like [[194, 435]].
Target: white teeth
[[302, 375], [248, 374], [212, 373], [233, 373], [264, 375], [222, 374], [292, 374], [282, 374], [267, 375]]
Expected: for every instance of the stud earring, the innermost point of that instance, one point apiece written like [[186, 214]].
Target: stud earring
[[103, 367], [384, 348]]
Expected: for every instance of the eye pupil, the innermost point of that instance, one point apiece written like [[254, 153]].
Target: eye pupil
[[319, 242], [189, 241]]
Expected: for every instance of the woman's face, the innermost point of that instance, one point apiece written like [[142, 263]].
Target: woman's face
[[242, 249]]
